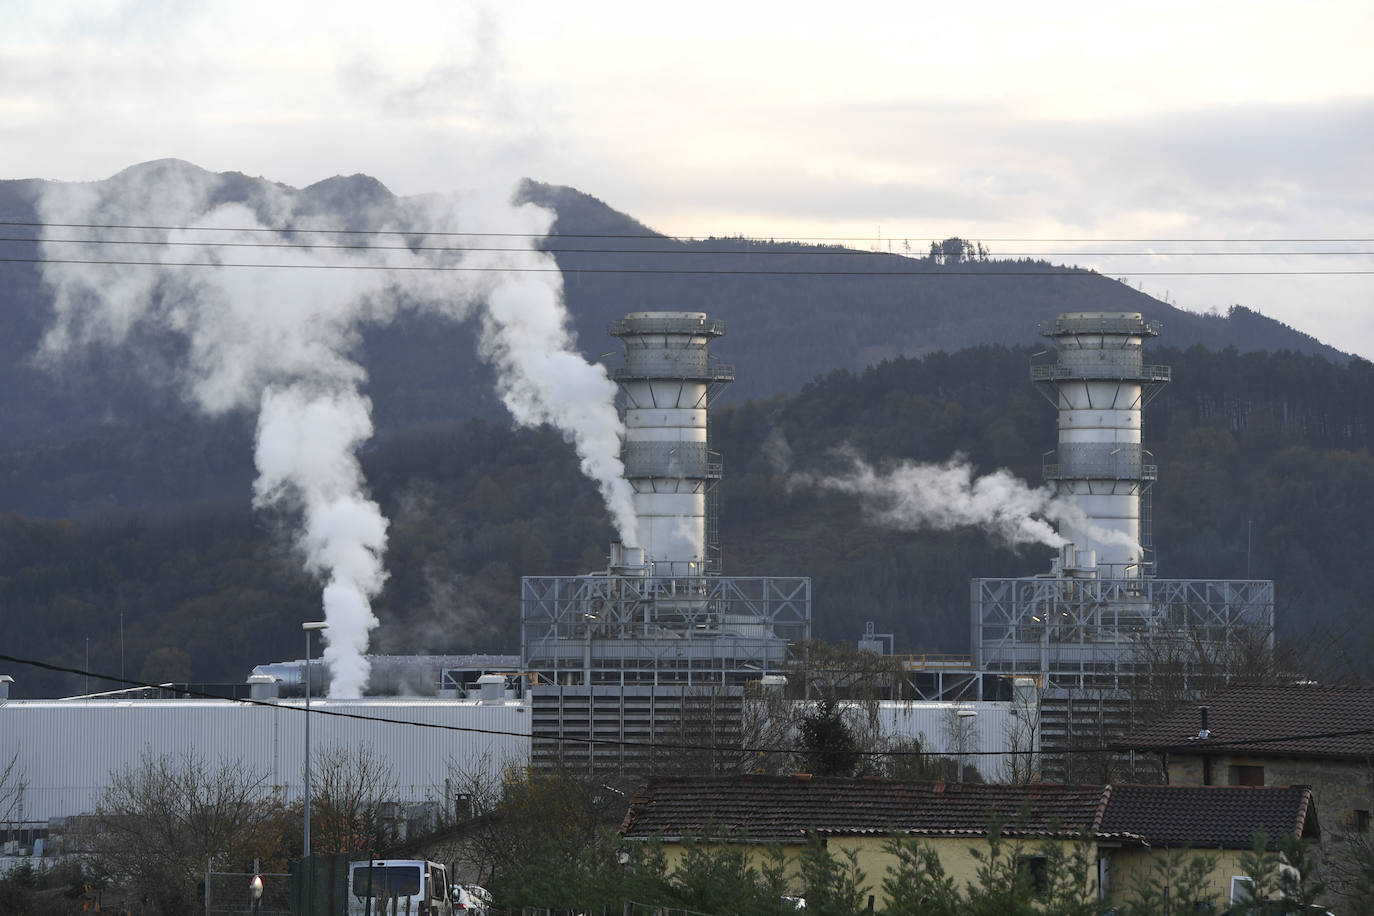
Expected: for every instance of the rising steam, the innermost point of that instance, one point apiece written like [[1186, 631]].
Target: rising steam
[[943, 497], [281, 340]]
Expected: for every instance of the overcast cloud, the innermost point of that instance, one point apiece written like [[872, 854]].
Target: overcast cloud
[[1226, 120]]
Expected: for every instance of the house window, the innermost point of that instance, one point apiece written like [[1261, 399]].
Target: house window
[[1359, 819], [1247, 775], [1036, 873], [1241, 890]]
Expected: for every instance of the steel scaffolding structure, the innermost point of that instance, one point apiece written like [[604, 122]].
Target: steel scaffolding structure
[[643, 629], [1095, 634]]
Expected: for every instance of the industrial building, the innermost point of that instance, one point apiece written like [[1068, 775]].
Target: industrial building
[[619, 668], [660, 642], [68, 749], [1100, 619]]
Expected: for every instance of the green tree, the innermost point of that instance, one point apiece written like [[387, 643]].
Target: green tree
[[1260, 866], [1300, 880], [833, 885], [917, 884], [827, 740], [1178, 880], [1070, 876], [1004, 879]]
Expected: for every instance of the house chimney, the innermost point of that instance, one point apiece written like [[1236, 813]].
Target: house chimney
[[1204, 732]]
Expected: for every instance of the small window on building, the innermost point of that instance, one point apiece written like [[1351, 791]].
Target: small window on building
[[1360, 820], [1241, 890], [1036, 872], [1247, 775]]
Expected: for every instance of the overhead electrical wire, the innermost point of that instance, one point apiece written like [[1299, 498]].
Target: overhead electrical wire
[[549, 245], [663, 237], [670, 271], [615, 742], [843, 252]]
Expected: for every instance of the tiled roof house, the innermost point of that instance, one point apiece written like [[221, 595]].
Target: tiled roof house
[[1127, 823], [1274, 735]]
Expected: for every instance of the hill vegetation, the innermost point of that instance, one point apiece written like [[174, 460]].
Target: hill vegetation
[[127, 523], [1265, 471]]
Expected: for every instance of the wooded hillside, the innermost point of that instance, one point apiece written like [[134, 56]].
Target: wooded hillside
[[1265, 470]]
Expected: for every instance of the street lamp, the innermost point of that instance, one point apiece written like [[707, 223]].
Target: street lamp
[[963, 716], [309, 627]]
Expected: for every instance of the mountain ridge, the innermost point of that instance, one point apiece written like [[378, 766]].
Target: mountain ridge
[[817, 309]]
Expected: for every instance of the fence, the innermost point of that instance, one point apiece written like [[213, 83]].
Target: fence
[[630, 908], [227, 893]]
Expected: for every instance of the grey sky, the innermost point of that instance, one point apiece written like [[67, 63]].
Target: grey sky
[[1085, 121]]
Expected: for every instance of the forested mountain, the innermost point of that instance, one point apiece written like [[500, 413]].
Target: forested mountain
[[103, 431], [1265, 470], [121, 507]]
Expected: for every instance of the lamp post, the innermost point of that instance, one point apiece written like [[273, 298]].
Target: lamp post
[[309, 627], [964, 715]]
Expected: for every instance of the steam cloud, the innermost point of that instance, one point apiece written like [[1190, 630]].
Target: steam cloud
[[943, 497], [280, 341]]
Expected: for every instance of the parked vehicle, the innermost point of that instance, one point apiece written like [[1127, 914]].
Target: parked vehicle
[[399, 887], [470, 900]]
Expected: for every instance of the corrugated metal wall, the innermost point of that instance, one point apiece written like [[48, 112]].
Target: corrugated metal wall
[[67, 749], [987, 736]]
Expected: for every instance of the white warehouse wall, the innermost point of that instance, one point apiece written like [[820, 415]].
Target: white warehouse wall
[[68, 748]]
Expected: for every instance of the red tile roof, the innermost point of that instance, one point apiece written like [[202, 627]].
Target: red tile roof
[[1269, 721], [785, 809]]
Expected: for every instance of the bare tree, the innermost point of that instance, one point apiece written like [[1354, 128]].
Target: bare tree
[[851, 682], [159, 823], [12, 786], [1021, 735], [353, 788], [527, 825]]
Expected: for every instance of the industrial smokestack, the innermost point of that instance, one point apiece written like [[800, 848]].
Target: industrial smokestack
[[1099, 385], [669, 381]]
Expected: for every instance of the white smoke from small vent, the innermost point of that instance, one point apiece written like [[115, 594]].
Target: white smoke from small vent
[[910, 496], [281, 341]]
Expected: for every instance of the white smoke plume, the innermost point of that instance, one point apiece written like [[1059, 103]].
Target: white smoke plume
[[942, 497], [280, 340]]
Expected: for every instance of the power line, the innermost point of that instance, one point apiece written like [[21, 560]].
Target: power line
[[573, 739], [660, 236], [924, 274], [737, 252], [1210, 743]]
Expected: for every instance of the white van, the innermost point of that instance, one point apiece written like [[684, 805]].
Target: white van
[[398, 887]]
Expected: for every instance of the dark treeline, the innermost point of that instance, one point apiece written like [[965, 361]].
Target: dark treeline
[[1265, 470]]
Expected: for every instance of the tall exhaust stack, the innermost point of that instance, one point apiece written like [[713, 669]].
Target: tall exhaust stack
[[1099, 385], [669, 381]]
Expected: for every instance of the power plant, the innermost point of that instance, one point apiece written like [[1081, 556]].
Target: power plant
[[1099, 620], [616, 656], [621, 668]]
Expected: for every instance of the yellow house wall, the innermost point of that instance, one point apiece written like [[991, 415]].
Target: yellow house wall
[[874, 861], [1129, 864]]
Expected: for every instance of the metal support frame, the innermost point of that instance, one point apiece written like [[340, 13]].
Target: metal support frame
[[628, 629], [1086, 633]]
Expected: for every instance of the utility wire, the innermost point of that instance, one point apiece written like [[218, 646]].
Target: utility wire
[[1209, 743], [609, 742], [669, 271], [662, 237], [737, 252]]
